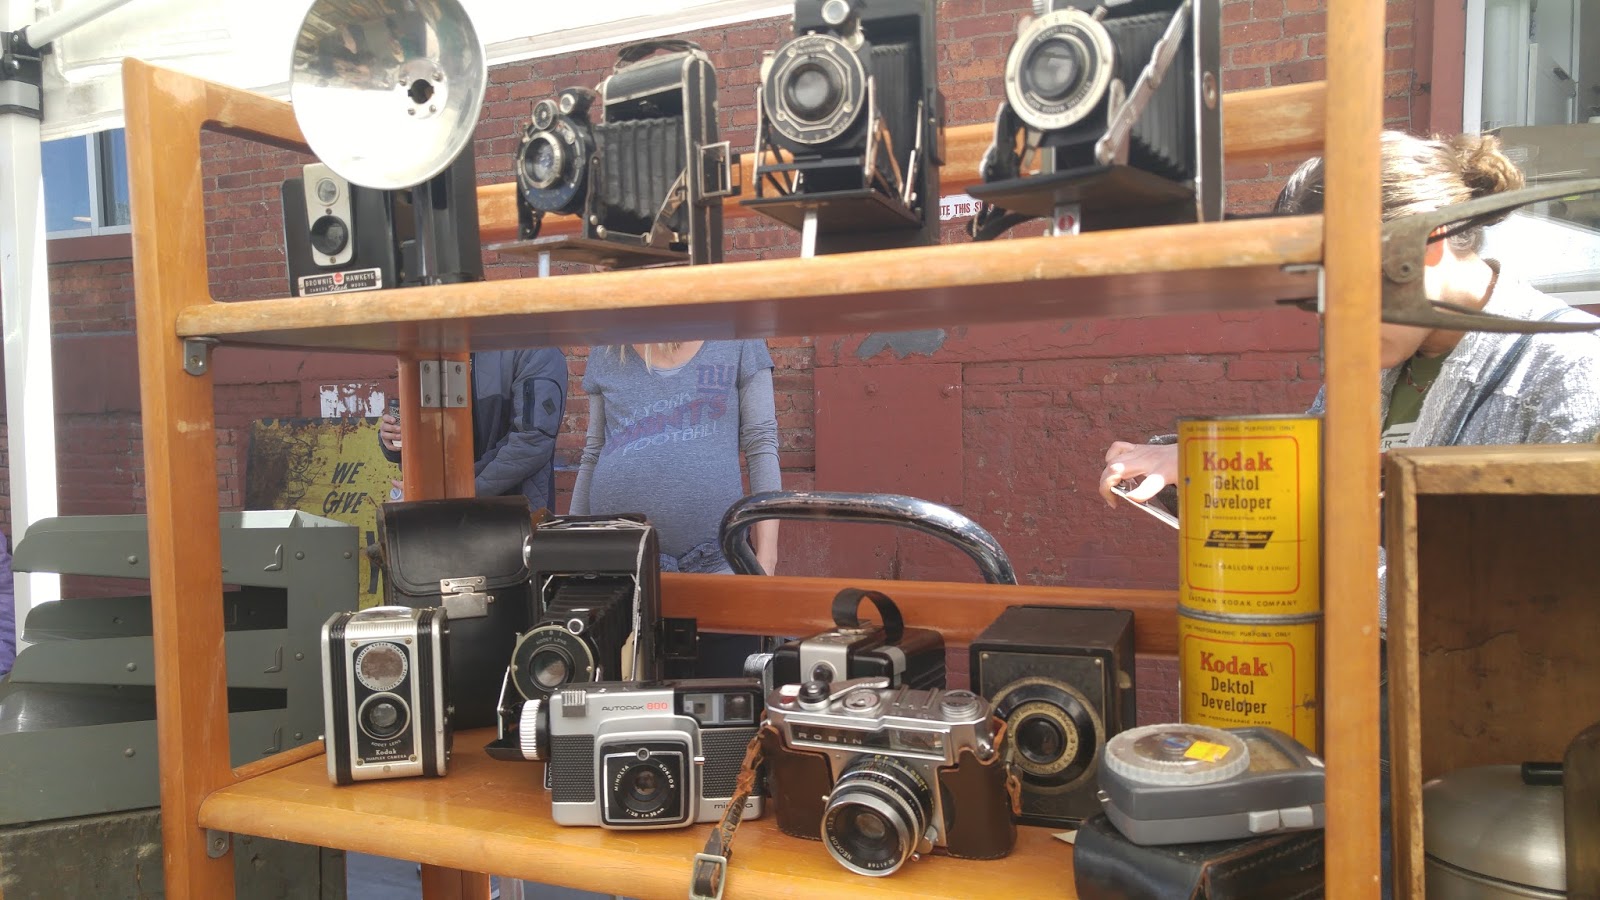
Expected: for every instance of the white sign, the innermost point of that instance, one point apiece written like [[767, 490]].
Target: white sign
[[958, 206], [351, 400]]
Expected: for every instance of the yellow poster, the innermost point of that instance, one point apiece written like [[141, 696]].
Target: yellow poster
[[328, 467]]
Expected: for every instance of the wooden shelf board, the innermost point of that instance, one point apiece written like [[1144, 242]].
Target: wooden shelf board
[[495, 816], [1187, 268], [1523, 470]]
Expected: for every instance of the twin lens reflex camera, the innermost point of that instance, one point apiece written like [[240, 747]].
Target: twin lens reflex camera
[[383, 674]]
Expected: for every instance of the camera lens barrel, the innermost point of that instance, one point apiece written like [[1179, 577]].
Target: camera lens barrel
[[877, 815], [815, 90], [1060, 68]]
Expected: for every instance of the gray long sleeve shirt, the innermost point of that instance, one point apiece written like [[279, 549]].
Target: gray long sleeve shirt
[[666, 442]]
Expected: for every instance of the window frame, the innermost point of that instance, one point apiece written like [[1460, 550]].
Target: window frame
[[97, 148]]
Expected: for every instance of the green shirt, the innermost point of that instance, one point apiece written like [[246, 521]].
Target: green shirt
[[1405, 401]]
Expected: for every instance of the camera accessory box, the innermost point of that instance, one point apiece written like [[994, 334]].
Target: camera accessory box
[[913, 657], [1063, 681], [465, 555]]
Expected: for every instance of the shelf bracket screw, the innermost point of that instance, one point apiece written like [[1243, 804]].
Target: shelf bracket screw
[[197, 354], [216, 843]]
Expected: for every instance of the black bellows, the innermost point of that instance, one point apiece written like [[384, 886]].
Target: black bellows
[[1162, 141], [640, 159]]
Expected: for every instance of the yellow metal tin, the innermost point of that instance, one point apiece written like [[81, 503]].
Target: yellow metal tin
[[1249, 513], [1235, 672]]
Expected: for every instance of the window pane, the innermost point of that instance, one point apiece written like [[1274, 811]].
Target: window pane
[[66, 184], [114, 179]]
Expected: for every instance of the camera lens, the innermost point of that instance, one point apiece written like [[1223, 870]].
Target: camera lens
[[877, 814], [543, 161], [551, 669], [329, 235], [645, 784], [327, 191], [645, 790], [1040, 740], [813, 93], [1054, 69], [382, 716]]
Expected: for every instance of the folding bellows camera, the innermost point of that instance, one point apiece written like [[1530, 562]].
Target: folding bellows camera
[[647, 179], [1118, 108]]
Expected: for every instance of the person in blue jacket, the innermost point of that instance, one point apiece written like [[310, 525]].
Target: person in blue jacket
[[518, 400]]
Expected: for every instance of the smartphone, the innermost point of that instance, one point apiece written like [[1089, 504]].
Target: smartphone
[[1150, 508]]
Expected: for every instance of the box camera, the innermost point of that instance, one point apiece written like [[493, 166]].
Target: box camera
[[1063, 681], [913, 657], [341, 237], [848, 138], [1116, 109], [648, 180], [882, 774], [383, 694], [641, 755]]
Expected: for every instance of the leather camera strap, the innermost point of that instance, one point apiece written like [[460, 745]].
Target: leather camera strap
[[711, 864]]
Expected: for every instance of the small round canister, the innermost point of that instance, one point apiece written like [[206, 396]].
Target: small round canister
[[1489, 834]]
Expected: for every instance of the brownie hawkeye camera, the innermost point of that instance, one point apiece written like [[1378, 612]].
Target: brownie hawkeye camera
[[848, 139], [881, 775], [383, 672], [640, 755], [1113, 109], [855, 648], [648, 180]]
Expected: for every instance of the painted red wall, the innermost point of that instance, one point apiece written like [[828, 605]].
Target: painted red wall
[[1017, 416]]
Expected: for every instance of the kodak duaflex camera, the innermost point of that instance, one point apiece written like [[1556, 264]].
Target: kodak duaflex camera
[[383, 672], [857, 648], [1062, 679], [638, 160], [882, 775], [849, 129], [1114, 109], [642, 755]]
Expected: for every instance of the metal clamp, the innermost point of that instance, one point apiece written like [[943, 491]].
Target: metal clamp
[[717, 167], [197, 354], [217, 843], [21, 76], [1405, 243], [464, 598], [885, 509]]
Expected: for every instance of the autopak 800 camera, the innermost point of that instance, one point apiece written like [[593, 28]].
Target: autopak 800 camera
[[1116, 109], [848, 139], [648, 179], [383, 672], [880, 774], [643, 755]]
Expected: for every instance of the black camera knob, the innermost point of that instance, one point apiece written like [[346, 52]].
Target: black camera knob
[[813, 693]]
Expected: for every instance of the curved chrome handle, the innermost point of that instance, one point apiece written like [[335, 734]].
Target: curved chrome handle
[[883, 509]]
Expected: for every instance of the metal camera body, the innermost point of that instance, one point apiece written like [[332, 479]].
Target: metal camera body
[[849, 127], [597, 605], [1063, 681], [638, 160], [856, 648], [1119, 108], [633, 755], [882, 775], [383, 674]]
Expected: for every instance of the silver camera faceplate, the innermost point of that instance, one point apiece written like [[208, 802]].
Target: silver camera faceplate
[[395, 625]]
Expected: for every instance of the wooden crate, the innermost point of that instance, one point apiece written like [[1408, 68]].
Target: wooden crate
[[1494, 615]]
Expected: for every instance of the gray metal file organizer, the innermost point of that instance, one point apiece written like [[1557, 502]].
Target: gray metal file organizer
[[77, 715]]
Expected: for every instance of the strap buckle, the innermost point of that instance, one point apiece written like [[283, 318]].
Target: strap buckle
[[710, 877]]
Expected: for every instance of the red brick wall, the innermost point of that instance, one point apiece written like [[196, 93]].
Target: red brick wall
[[1039, 404]]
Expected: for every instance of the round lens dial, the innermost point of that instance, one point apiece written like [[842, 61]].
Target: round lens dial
[[1059, 69], [383, 716], [381, 666]]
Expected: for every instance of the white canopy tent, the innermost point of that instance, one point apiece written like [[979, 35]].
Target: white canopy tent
[[243, 43]]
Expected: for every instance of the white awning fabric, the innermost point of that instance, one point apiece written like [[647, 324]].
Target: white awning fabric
[[246, 43]]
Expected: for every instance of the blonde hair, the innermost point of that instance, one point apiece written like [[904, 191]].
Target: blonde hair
[[670, 346], [1420, 175]]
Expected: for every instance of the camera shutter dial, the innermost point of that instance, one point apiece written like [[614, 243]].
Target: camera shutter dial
[[1059, 70], [1053, 731], [815, 90]]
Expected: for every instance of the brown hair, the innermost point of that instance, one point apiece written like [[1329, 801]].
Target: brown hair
[[1420, 175]]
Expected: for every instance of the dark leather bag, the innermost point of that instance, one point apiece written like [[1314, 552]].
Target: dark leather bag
[[1108, 866], [465, 555]]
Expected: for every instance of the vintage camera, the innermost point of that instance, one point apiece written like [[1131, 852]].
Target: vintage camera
[[383, 693], [341, 237], [1117, 108], [640, 755], [597, 598], [647, 180], [882, 774], [854, 648], [848, 138], [1063, 681]]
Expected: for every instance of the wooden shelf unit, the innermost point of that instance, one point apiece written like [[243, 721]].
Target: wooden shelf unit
[[1233, 265]]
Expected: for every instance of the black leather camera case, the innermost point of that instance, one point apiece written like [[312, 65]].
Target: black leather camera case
[[465, 555], [1108, 866]]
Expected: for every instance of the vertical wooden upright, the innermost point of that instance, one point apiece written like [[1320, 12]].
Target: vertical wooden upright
[[1351, 253], [180, 463]]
